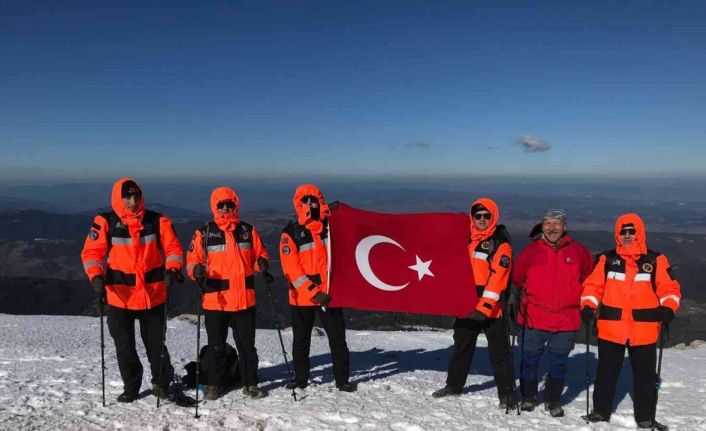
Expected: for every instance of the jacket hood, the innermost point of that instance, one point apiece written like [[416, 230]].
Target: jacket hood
[[116, 200], [639, 246], [492, 207], [303, 211], [225, 222]]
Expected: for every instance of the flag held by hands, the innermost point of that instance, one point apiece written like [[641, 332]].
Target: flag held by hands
[[409, 263]]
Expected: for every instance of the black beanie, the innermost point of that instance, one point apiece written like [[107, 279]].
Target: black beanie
[[130, 188], [478, 207]]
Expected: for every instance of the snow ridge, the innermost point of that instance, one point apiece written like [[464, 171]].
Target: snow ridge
[[50, 379]]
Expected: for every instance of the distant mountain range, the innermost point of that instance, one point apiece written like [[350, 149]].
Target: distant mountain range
[[41, 239]]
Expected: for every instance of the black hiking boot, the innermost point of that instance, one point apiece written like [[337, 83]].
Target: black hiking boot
[[507, 403], [173, 395], [529, 404], [212, 393], [294, 384], [554, 409], [346, 387], [128, 397], [595, 416], [652, 425], [445, 392], [160, 391], [253, 392]]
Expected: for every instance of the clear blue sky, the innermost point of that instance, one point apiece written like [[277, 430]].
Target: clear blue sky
[[371, 88]]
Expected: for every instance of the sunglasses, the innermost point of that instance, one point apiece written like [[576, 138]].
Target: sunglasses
[[481, 216], [628, 231], [225, 204], [308, 200]]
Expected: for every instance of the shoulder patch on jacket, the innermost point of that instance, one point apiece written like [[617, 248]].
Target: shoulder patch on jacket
[[93, 234], [286, 250], [504, 261]]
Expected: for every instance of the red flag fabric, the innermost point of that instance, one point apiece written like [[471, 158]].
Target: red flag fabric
[[410, 263]]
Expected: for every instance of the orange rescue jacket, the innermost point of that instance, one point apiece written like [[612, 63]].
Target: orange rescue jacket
[[303, 249], [627, 286], [233, 248], [139, 247], [491, 259]]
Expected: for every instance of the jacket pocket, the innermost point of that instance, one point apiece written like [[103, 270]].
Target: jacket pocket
[[646, 315], [606, 312]]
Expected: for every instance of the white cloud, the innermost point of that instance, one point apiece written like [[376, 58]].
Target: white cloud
[[533, 144]]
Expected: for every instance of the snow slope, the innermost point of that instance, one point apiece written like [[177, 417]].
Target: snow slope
[[50, 379]]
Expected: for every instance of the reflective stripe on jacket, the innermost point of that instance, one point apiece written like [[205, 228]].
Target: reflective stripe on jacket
[[303, 250], [138, 252], [231, 265]]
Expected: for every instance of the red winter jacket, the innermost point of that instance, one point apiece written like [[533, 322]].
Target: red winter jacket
[[551, 283]]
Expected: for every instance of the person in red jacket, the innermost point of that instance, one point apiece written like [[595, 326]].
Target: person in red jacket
[[144, 257], [548, 273], [224, 255], [491, 258], [304, 256], [635, 292]]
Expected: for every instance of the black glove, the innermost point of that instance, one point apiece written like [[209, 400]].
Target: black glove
[[333, 205], [587, 314], [513, 304], [477, 316], [199, 271], [666, 314], [98, 284], [172, 275], [322, 299]]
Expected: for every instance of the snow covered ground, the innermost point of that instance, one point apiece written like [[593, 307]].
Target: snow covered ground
[[50, 379]]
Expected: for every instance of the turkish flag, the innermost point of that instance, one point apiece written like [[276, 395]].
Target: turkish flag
[[409, 263]]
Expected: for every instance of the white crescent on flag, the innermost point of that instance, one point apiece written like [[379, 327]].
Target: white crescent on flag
[[362, 259]]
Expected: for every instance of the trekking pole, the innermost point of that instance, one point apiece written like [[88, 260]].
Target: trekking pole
[[161, 350], [101, 299], [663, 334], [588, 375], [198, 343], [201, 283], [279, 333], [510, 340]]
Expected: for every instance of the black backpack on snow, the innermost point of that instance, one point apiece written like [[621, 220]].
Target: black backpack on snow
[[232, 374]]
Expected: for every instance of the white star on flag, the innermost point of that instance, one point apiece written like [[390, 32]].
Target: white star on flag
[[422, 268]]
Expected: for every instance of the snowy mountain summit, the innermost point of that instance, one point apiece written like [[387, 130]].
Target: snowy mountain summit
[[50, 379]]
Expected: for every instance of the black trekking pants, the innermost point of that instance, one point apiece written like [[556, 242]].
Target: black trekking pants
[[121, 325], [243, 325], [335, 327], [465, 336], [643, 360]]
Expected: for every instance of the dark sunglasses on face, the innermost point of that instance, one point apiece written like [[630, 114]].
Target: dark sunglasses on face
[[225, 204], [308, 200], [481, 216], [628, 231]]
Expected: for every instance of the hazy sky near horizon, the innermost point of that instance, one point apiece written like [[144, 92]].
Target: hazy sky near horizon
[[371, 88]]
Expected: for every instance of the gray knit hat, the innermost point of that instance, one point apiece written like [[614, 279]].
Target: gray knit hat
[[554, 214]]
